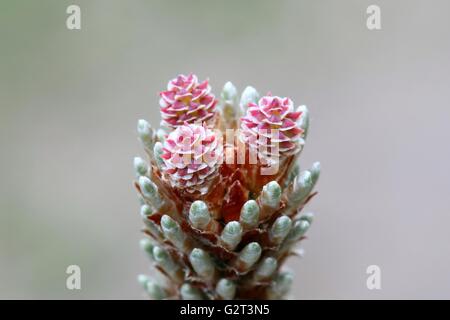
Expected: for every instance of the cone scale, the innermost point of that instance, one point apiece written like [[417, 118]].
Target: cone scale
[[218, 223]]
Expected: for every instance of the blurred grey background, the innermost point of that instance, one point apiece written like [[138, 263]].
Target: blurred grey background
[[70, 100]]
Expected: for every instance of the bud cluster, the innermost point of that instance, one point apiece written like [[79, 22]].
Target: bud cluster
[[216, 226]]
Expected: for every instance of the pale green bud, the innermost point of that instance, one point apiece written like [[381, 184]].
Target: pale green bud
[[303, 185], [282, 284], [228, 104], [140, 167], [308, 216], [146, 210], [266, 268], [189, 292], [298, 230], [271, 195], [172, 231], [153, 289], [163, 258], [199, 215], [315, 172], [226, 289], [231, 235], [150, 191], [141, 199], [248, 95], [229, 92], [250, 214], [157, 152], [143, 279], [152, 226], [292, 174], [146, 134], [202, 263], [250, 254], [147, 246], [280, 229]]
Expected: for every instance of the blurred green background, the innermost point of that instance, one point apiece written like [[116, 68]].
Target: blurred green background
[[70, 100]]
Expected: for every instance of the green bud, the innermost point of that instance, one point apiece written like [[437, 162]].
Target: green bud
[[202, 263], [298, 230], [231, 235], [308, 216], [282, 284], [303, 185], [228, 104], [271, 195], [280, 229], [155, 291], [315, 172], [145, 132], [140, 167], [250, 254], [157, 152], [304, 120], [266, 268], [292, 174], [189, 292], [199, 215], [229, 92], [248, 95], [152, 288], [150, 191], [147, 246], [143, 279], [172, 231], [141, 199], [146, 210], [160, 254], [163, 258], [250, 214], [226, 289]]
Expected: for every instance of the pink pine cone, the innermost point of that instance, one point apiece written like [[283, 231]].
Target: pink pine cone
[[275, 119], [187, 101], [192, 156]]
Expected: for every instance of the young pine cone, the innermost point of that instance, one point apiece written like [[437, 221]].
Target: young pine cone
[[215, 226], [187, 101]]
